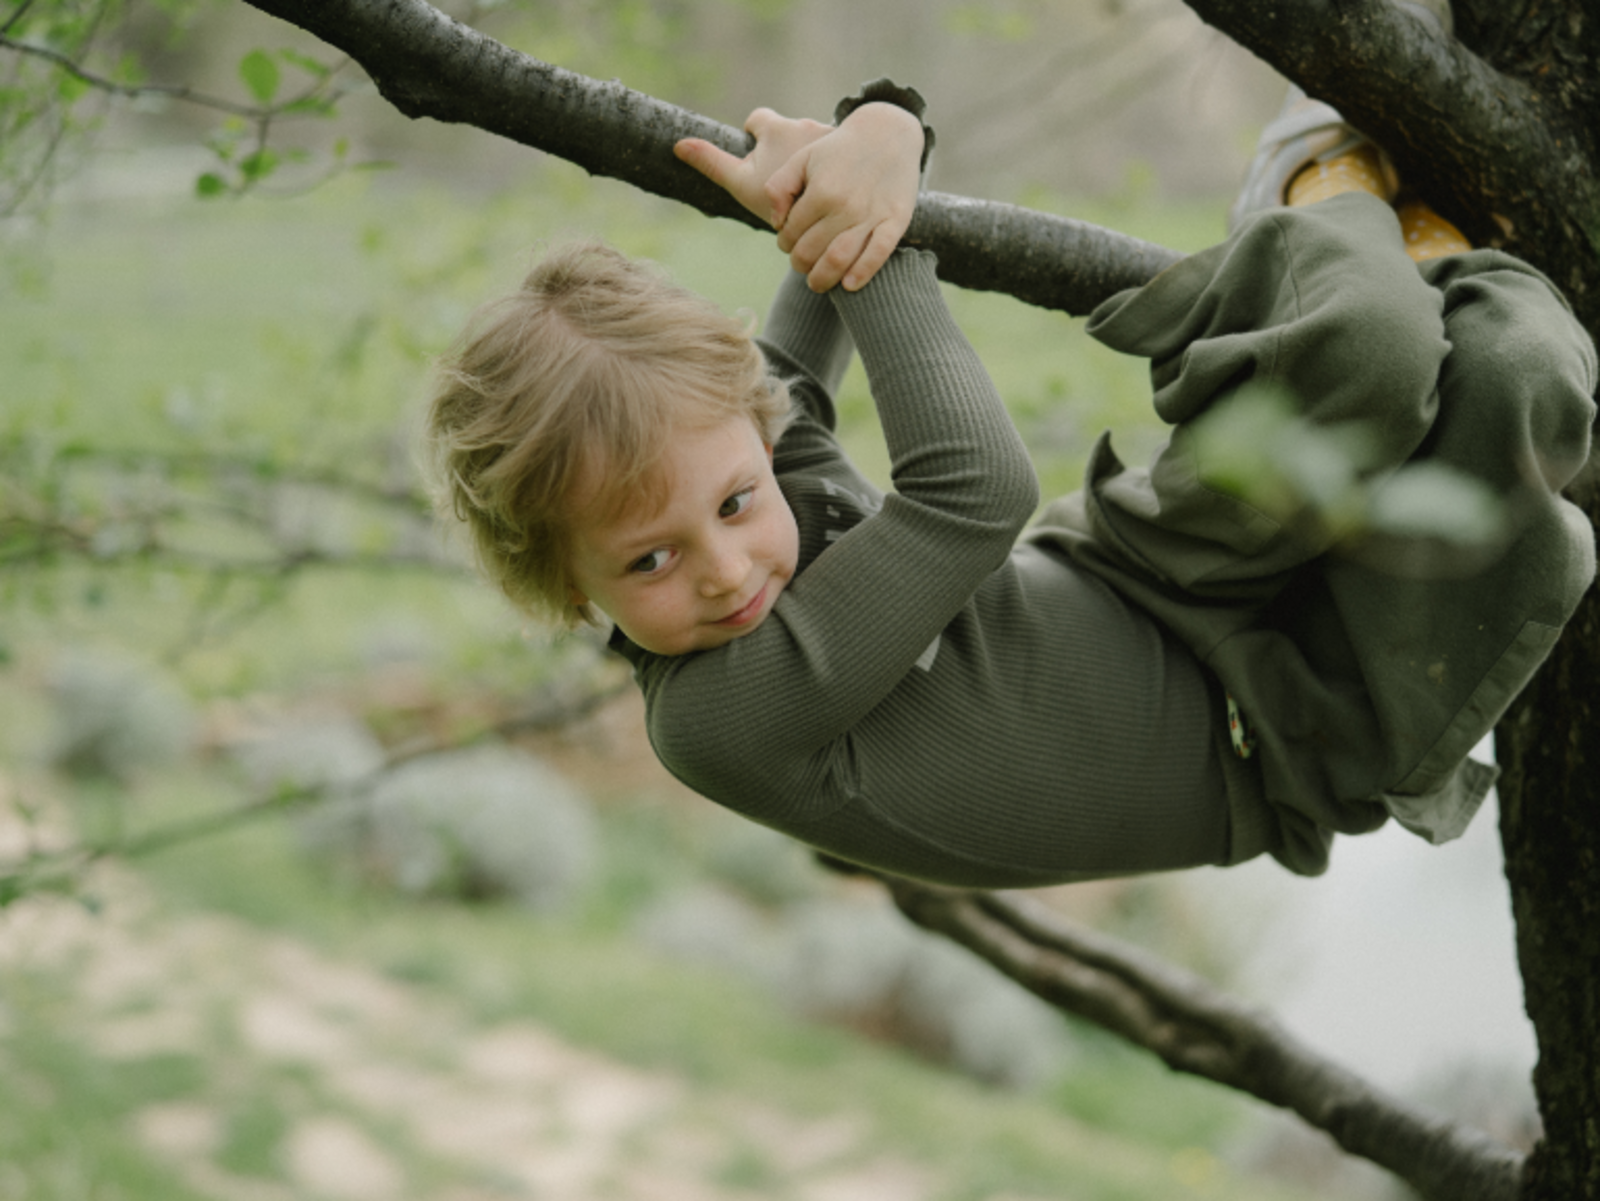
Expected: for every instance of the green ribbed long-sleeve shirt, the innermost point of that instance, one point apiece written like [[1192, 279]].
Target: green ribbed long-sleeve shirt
[[927, 697]]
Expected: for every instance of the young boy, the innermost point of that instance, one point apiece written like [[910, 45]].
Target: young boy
[[898, 681]]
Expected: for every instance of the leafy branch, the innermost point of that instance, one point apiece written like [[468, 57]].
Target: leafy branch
[[139, 91], [243, 148]]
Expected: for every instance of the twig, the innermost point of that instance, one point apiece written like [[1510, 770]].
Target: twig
[[131, 91], [260, 116], [11, 21]]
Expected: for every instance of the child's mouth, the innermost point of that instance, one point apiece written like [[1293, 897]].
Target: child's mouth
[[748, 613]]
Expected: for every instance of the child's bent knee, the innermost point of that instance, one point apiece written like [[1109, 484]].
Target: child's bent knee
[[1517, 352]]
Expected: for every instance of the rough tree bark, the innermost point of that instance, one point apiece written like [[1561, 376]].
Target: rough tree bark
[[1501, 128], [1498, 127]]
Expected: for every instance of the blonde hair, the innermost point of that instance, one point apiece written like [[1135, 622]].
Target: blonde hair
[[584, 371]]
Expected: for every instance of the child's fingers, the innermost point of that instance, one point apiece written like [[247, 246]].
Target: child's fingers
[[818, 215], [825, 262], [761, 121], [809, 238], [873, 256]]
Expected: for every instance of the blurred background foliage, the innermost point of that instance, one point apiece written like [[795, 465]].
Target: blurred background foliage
[[223, 599]]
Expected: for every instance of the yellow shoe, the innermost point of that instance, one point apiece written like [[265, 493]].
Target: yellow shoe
[[1306, 131]]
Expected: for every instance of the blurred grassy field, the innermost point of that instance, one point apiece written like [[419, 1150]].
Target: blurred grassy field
[[300, 332]]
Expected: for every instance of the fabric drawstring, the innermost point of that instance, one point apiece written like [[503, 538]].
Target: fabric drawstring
[[1244, 739]]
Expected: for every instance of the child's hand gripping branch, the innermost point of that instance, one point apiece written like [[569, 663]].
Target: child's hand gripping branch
[[840, 198]]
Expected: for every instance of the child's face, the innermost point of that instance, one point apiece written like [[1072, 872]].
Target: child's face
[[706, 566]]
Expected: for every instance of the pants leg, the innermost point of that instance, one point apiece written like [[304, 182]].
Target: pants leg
[[1321, 303], [1445, 641]]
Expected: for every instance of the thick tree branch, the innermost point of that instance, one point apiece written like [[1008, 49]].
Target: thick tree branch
[[428, 65], [1508, 157], [1197, 1029]]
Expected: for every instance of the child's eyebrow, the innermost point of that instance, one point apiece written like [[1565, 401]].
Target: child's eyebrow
[[655, 530]]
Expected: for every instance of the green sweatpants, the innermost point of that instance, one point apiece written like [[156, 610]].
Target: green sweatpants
[[1368, 667]]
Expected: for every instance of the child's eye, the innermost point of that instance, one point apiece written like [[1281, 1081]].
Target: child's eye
[[737, 503], [651, 563]]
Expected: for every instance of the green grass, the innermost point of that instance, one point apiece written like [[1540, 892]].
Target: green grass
[[1118, 1126], [253, 1136], [64, 1111]]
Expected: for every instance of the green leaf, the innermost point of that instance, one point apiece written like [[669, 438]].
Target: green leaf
[[69, 87], [306, 63], [259, 165], [210, 184], [260, 75], [314, 106]]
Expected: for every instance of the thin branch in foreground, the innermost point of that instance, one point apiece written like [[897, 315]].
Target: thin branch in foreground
[[1196, 1028], [14, 18]]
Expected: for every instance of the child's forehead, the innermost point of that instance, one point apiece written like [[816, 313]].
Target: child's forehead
[[612, 494], [607, 494]]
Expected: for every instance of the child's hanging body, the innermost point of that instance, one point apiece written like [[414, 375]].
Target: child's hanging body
[[916, 690]]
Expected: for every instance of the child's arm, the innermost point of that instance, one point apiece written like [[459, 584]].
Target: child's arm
[[752, 722], [807, 330], [840, 198]]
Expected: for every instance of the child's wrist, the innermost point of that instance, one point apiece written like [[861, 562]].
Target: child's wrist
[[889, 127], [886, 91]]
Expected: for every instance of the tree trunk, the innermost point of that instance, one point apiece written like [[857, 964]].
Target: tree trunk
[[1549, 746], [1497, 127]]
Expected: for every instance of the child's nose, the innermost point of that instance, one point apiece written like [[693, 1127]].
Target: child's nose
[[726, 568]]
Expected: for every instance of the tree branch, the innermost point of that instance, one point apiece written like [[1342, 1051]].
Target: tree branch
[[428, 65], [1195, 1028], [1504, 156], [12, 21]]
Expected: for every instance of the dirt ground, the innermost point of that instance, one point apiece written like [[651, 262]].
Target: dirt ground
[[400, 1095]]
